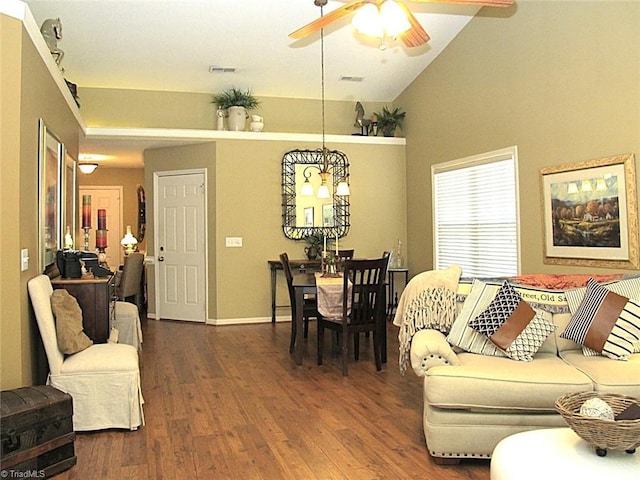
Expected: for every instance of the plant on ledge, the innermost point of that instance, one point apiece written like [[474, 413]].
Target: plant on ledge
[[389, 120], [235, 97]]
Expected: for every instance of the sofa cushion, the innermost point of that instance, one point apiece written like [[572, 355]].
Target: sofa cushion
[[629, 288], [485, 382], [605, 322], [465, 337], [608, 376], [512, 325], [69, 330], [506, 307]]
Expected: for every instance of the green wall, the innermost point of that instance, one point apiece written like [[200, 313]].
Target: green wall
[[561, 80]]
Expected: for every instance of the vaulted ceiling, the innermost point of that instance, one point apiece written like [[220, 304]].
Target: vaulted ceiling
[[170, 45]]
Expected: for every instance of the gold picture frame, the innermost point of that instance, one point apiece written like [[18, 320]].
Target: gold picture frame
[[50, 172], [590, 213]]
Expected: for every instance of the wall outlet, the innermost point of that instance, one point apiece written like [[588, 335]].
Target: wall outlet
[[233, 241]]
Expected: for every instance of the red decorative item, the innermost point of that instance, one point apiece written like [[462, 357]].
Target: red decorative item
[[102, 219], [86, 211], [101, 239]]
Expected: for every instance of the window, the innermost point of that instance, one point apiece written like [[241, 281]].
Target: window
[[475, 211]]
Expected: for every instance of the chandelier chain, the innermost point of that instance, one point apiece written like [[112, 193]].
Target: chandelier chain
[[324, 148]]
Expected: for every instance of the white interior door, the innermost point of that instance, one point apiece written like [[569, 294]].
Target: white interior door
[[108, 198], [180, 246]]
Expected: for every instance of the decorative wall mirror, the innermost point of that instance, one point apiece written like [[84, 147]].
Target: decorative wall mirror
[[304, 215]]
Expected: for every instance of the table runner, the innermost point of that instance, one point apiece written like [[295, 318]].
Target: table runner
[[329, 295]]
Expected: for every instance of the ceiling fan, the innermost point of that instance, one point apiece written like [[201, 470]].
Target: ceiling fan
[[413, 35]]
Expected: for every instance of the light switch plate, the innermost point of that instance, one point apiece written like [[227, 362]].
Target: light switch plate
[[24, 259], [233, 241]]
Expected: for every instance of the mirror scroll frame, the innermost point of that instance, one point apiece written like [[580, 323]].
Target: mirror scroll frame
[[339, 164]]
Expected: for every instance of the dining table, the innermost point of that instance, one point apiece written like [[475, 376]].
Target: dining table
[[305, 283]]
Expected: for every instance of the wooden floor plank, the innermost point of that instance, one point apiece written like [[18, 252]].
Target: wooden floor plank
[[230, 403]]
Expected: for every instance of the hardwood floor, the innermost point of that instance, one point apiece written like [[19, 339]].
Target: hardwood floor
[[230, 403]]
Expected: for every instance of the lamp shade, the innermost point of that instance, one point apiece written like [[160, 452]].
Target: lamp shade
[[307, 189], [343, 189], [87, 167]]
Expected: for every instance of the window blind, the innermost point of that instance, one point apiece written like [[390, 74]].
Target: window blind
[[475, 214]]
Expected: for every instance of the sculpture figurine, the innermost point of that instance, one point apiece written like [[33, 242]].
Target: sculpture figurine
[[51, 30], [361, 122]]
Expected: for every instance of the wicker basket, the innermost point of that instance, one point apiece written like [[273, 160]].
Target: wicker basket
[[602, 434]]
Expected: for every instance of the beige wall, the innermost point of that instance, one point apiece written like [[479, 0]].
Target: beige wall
[[150, 109], [244, 180], [561, 80], [28, 93]]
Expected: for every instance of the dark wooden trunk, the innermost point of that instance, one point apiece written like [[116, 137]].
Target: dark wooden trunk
[[37, 432]]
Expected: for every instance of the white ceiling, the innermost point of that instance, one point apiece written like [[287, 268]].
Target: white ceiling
[[169, 45]]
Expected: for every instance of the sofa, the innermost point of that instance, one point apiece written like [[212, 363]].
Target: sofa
[[474, 394]]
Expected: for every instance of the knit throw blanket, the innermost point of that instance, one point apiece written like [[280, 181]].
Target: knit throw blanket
[[428, 301], [433, 308]]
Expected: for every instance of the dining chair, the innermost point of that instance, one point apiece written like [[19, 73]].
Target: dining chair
[[309, 309], [102, 379], [129, 288], [362, 310], [129, 280], [346, 254]]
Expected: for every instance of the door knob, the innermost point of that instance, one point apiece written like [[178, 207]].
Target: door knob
[[161, 259]]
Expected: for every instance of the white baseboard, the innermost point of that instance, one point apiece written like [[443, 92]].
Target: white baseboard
[[244, 321]]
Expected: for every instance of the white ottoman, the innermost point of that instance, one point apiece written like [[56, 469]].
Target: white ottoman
[[558, 453]]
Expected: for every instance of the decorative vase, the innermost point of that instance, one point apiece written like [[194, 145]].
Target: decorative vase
[[389, 131], [312, 252], [237, 119], [256, 124], [219, 119]]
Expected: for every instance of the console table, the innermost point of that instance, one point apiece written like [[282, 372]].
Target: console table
[[300, 265], [96, 299]]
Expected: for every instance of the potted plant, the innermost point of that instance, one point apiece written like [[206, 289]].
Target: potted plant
[[314, 246], [236, 102], [389, 120]]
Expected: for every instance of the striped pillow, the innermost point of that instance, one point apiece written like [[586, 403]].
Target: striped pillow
[[629, 288], [606, 322]]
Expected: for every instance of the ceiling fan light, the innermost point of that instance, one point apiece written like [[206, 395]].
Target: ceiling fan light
[[367, 21], [393, 18]]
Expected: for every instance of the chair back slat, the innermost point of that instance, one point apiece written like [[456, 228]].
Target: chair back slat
[[367, 279], [288, 275]]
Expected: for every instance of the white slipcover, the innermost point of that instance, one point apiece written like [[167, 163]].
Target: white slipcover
[[127, 322], [103, 380]]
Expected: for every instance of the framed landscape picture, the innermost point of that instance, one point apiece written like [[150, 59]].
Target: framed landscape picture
[[590, 213]]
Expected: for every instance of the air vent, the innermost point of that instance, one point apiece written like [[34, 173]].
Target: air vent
[[214, 69], [351, 78]]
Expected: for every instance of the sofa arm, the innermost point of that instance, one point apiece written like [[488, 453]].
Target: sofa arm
[[429, 348]]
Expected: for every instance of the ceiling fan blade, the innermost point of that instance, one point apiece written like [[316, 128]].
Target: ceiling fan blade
[[479, 3], [325, 20], [416, 35]]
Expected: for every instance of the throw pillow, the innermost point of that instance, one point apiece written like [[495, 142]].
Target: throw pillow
[[71, 336], [465, 337], [629, 288], [527, 343], [512, 325], [507, 304], [606, 322]]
